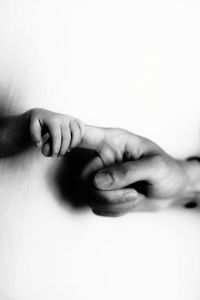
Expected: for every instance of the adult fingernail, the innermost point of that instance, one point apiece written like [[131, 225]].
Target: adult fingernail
[[103, 180], [130, 196]]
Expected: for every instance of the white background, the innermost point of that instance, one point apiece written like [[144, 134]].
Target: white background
[[130, 64]]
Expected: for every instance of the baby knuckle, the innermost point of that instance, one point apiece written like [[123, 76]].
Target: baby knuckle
[[54, 120], [33, 113], [68, 117], [71, 122]]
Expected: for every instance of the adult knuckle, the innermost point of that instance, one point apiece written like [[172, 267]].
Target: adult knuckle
[[158, 162], [125, 169]]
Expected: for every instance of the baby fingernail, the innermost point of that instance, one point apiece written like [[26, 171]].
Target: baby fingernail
[[103, 180]]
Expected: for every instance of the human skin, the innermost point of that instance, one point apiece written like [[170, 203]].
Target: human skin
[[53, 133], [129, 170]]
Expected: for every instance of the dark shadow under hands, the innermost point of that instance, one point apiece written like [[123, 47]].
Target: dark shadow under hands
[[71, 189], [67, 179], [14, 129]]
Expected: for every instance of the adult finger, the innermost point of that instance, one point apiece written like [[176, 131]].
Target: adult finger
[[93, 166], [115, 203], [92, 137], [120, 196], [126, 173]]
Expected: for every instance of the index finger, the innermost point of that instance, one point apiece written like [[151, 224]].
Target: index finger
[[92, 137]]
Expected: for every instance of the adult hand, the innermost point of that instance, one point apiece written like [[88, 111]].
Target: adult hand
[[129, 169]]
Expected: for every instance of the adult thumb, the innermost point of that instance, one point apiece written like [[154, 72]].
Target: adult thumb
[[123, 174]]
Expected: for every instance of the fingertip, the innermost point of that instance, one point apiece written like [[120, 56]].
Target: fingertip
[[130, 196], [46, 150], [103, 180]]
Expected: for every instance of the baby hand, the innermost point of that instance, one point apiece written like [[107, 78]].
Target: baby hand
[[54, 133]]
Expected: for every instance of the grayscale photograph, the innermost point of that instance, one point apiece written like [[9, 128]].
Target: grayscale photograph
[[99, 150]]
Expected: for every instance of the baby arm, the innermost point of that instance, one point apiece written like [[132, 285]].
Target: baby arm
[[14, 134]]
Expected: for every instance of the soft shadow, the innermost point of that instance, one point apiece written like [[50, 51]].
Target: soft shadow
[[71, 191], [10, 103], [10, 108], [67, 178]]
